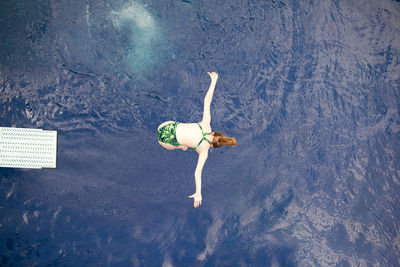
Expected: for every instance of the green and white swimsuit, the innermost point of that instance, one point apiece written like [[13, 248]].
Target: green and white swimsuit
[[167, 134]]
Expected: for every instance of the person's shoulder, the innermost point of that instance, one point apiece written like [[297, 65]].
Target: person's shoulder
[[205, 126], [203, 150]]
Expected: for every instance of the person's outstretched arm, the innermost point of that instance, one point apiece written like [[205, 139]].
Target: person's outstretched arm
[[208, 97], [197, 177]]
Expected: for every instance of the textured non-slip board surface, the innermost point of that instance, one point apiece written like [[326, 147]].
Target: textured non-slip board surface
[[28, 148]]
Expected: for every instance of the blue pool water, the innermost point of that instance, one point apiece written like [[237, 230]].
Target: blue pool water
[[310, 89]]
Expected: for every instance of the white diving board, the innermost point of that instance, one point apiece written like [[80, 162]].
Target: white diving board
[[28, 148]]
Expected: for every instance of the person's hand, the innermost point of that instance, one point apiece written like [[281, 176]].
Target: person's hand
[[213, 76], [184, 148], [197, 199]]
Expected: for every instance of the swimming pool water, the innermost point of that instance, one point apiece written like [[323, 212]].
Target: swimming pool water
[[310, 90]]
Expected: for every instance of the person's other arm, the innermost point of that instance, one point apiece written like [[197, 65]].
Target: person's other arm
[[197, 177], [208, 98]]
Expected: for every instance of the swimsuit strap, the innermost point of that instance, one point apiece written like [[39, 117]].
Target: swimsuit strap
[[203, 137]]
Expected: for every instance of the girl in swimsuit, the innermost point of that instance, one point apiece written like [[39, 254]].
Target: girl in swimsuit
[[175, 135]]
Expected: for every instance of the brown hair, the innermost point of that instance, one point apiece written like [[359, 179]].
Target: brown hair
[[221, 140]]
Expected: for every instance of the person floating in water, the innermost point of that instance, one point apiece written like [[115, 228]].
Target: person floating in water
[[176, 135]]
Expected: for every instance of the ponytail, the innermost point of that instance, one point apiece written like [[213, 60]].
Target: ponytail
[[221, 140]]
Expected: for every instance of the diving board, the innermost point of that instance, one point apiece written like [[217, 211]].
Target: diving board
[[28, 148]]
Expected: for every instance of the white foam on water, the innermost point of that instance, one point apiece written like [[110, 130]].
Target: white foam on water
[[138, 15], [11, 191], [145, 35], [25, 217], [212, 238], [88, 19]]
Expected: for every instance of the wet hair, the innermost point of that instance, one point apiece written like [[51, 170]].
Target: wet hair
[[221, 140]]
